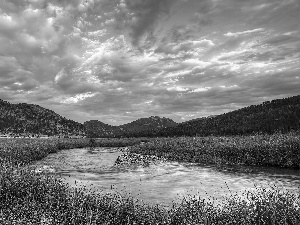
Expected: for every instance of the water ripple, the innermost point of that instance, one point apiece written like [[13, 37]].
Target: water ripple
[[163, 182]]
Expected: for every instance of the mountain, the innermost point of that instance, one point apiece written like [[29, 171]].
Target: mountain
[[95, 128], [137, 128], [280, 115], [153, 122], [31, 119]]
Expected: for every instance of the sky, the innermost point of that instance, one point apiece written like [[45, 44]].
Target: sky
[[120, 60]]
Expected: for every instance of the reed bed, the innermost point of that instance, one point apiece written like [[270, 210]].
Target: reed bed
[[276, 150], [30, 198]]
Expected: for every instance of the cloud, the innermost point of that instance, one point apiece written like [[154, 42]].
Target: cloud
[[97, 33], [179, 33], [78, 97], [135, 17], [113, 61], [7, 65], [14, 77], [281, 40], [177, 88], [121, 60], [275, 84], [187, 45], [272, 49], [203, 16], [274, 13], [202, 89], [34, 40], [145, 14], [236, 34], [198, 101]]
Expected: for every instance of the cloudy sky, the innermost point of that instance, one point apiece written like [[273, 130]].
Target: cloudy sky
[[120, 60]]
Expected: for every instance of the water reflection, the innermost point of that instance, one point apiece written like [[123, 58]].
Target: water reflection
[[164, 182]]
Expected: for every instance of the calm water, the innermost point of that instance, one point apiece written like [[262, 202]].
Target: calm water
[[165, 182]]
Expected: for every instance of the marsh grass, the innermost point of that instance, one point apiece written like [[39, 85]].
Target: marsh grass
[[27, 197], [276, 150], [261, 206], [25, 151], [30, 198]]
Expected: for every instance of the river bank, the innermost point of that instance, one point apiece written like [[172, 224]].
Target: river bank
[[27, 197]]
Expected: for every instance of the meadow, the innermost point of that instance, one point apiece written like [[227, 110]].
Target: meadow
[[27, 197]]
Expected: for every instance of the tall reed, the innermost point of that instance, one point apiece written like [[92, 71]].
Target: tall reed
[[276, 150]]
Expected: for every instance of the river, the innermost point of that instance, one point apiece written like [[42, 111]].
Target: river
[[164, 182]]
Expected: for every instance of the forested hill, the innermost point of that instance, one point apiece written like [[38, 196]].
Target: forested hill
[[137, 128], [33, 119], [96, 129], [278, 115], [281, 115]]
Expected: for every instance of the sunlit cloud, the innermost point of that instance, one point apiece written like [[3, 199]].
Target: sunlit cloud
[[78, 97], [246, 32], [202, 89]]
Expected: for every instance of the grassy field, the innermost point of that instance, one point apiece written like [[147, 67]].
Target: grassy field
[[23, 151], [27, 197], [277, 150]]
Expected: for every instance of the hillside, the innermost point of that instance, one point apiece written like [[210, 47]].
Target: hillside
[[31, 119], [280, 115], [137, 128], [95, 128]]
